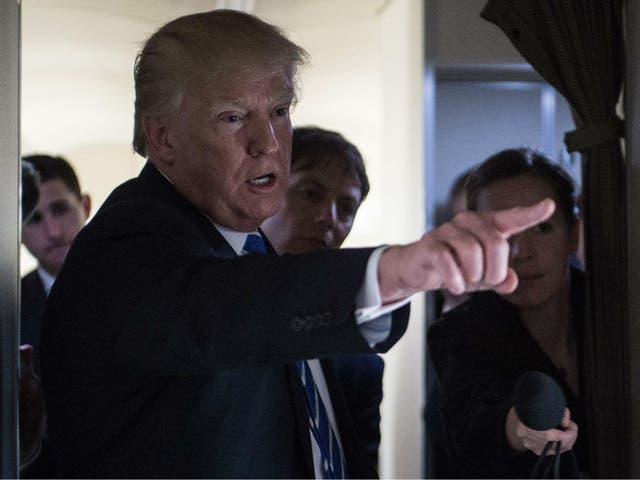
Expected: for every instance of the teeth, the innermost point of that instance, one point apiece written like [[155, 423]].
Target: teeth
[[260, 180]]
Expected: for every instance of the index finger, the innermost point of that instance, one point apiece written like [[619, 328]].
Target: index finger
[[518, 219]]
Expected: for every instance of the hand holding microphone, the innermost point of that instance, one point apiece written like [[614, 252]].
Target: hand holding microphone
[[539, 416]]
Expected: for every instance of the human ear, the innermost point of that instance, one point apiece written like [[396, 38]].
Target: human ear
[[86, 204], [159, 147]]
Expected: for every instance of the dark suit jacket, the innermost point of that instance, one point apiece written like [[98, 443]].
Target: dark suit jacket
[[33, 299], [479, 350], [360, 378], [166, 355], [32, 302]]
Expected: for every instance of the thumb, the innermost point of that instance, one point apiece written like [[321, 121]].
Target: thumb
[[518, 219], [566, 418]]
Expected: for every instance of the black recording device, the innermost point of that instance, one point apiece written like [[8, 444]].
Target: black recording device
[[540, 403]]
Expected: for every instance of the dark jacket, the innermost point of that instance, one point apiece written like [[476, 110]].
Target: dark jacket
[[166, 355], [33, 299], [479, 350], [360, 378]]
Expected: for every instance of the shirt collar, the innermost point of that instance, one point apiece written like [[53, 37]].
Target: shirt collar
[[47, 279], [233, 238]]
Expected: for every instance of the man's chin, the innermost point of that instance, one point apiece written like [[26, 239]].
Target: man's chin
[[51, 268], [56, 258]]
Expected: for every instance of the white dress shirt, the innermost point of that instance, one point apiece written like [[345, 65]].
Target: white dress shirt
[[47, 280]]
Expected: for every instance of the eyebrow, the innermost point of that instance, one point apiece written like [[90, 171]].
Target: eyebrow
[[323, 187]]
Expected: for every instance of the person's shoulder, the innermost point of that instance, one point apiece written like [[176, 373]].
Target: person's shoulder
[[31, 286], [475, 321], [135, 207], [30, 277], [455, 318]]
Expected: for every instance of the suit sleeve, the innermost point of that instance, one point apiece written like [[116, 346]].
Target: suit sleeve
[[164, 303]]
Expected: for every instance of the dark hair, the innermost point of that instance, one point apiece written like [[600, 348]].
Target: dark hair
[[313, 146], [30, 193], [457, 187], [187, 50], [523, 161], [52, 168]]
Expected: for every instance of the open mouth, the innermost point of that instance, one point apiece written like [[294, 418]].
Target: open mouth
[[263, 181]]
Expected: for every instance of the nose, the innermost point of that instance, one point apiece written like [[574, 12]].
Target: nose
[[54, 228], [521, 248], [263, 140], [327, 214]]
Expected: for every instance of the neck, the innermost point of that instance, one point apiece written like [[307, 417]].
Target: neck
[[549, 323]]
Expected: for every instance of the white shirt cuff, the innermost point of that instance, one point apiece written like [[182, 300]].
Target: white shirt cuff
[[372, 317]]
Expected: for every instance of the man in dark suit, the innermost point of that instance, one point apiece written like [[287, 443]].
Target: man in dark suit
[[327, 184], [60, 213], [167, 349]]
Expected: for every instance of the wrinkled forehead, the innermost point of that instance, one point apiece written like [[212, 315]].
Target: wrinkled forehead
[[238, 80]]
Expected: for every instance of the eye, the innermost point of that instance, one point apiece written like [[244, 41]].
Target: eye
[[59, 208], [230, 116], [35, 218], [544, 227], [309, 194], [282, 111], [346, 211]]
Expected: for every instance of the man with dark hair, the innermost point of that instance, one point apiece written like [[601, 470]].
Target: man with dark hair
[[61, 211], [327, 185], [172, 345]]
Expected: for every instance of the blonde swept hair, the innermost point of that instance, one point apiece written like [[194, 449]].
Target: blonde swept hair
[[191, 48]]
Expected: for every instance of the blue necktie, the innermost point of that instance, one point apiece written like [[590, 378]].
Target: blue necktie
[[333, 463], [332, 459], [253, 244]]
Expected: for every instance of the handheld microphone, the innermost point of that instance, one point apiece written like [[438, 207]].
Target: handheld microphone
[[539, 401]]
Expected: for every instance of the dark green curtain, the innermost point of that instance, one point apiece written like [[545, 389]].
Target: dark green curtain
[[578, 47]]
